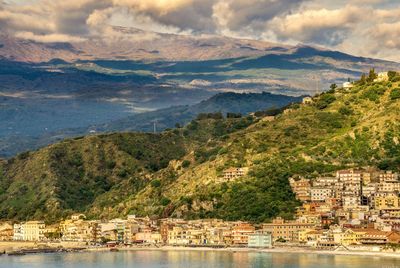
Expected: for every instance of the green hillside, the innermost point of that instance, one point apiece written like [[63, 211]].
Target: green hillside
[[178, 173]]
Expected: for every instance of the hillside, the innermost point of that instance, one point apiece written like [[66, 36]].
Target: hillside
[[177, 173], [27, 127]]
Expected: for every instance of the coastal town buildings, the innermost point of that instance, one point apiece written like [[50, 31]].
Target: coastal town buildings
[[285, 230], [29, 231], [302, 188], [354, 207], [260, 239]]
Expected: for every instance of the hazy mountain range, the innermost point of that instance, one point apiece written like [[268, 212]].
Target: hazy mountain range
[[47, 88]]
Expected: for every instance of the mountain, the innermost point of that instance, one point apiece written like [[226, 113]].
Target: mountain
[[29, 124], [134, 44], [178, 172], [49, 91]]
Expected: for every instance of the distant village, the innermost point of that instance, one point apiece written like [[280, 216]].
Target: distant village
[[355, 208]]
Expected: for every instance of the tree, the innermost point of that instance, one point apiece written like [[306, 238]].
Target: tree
[[233, 115], [333, 87], [372, 75], [185, 163], [363, 79]]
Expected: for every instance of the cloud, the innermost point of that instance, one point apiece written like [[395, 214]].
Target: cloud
[[238, 14], [388, 34], [323, 26], [48, 38], [363, 27]]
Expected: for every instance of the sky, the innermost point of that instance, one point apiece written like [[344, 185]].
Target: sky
[[368, 28]]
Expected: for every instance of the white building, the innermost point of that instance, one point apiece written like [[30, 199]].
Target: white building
[[347, 85], [29, 231], [321, 193], [381, 77], [260, 240], [18, 232]]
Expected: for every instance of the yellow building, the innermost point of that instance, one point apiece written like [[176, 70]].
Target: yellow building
[[178, 235], [386, 201], [79, 230], [33, 230], [280, 229]]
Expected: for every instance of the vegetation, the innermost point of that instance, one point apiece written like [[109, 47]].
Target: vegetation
[[178, 172]]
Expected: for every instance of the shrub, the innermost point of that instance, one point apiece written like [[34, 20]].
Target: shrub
[[392, 75], [324, 101], [155, 183], [122, 173], [165, 201], [345, 110], [374, 93], [395, 94], [185, 163]]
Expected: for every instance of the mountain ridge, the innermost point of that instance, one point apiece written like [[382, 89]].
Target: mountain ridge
[[178, 173]]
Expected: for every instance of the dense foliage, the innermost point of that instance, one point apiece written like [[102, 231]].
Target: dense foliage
[[178, 172]]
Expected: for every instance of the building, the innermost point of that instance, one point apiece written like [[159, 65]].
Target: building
[[6, 231], [234, 173], [18, 230], [351, 200], [382, 77], [389, 200], [307, 100], [260, 240], [77, 229], [376, 237], [347, 85], [320, 193], [327, 182], [178, 235], [301, 188], [280, 229], [241, 232], [29, 231], [388, 176], [389, 186]]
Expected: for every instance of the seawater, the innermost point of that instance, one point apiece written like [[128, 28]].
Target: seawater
[[194, 259]]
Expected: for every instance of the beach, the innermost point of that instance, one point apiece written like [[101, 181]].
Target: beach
[[294, 250]]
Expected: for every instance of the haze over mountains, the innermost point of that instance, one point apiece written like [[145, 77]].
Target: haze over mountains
[[48, 88]]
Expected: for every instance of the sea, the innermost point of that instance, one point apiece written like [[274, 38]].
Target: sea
[[194, 259]]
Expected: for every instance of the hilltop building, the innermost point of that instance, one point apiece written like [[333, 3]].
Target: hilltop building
[[382, 77], [234, 173]]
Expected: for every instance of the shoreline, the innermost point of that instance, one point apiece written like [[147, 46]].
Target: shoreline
[[12, 246], [293, 250]]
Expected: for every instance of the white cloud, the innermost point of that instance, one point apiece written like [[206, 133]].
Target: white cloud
[[324, 26], [364, 27], [48, 38]]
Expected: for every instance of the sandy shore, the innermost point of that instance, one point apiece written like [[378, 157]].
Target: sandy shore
[[294, 250], [14, 245]]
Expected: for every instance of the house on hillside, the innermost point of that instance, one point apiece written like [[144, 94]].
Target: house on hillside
[[234, 173], [348, 85], [382, 77], [307, 100]]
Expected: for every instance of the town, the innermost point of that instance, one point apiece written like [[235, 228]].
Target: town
[[354, 209]]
